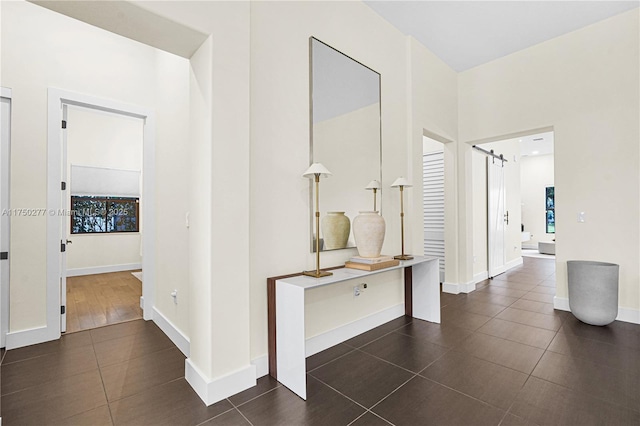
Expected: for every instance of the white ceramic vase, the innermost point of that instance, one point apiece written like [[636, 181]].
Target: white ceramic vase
[[335, 230], [368, 231]]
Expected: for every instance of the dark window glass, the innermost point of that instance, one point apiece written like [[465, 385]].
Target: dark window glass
[[551, 210], [92, 214]]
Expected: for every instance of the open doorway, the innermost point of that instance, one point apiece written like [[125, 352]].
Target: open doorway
[[509, 201], [538, 195], [433, 187], [103, 257]]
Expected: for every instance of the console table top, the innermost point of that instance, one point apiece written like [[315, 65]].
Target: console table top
[[344, 274]]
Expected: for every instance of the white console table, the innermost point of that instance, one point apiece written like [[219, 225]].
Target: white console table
[[286, 307]]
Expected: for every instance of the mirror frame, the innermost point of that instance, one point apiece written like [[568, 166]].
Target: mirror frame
[[311, 182]]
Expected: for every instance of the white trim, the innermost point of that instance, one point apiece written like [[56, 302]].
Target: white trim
[[481, 276], [262, 365], [330, 338], [57, 98], [177, 337], [624, 314], [77, 272], [212, 391], [32, 336], [455, 288], [468, 287], [628, 315], [561, 303], [5, 92], [514, 263]]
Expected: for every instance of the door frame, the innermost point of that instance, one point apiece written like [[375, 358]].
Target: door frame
[[5, 224], [56, 99]]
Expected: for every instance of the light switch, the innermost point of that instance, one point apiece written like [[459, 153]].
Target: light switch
[[581, 217]]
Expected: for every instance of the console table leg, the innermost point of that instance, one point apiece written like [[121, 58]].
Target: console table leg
[[408, 291]]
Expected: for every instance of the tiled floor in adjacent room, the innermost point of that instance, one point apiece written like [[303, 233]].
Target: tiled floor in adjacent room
[[502, 356]]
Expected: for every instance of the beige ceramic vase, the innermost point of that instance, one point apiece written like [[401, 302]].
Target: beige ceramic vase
[[368, 231], [335, 230]]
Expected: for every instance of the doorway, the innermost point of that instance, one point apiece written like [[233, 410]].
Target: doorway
[[433, 200], [509, 202], [102, 165], [59, 192]]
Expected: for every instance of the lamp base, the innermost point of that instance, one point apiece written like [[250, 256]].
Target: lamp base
[[403, 257], [316, 274]]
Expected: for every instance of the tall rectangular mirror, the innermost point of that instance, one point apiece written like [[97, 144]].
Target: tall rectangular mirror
[[346, 137]]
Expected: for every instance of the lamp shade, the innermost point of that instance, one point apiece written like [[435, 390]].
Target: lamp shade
[[401, 182], [317, 169], [374, 184]]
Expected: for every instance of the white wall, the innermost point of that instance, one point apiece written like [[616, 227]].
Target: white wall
[[105, 140], [479, 179], [585, 84], [34, 42], [536, 173], [280, 151], [433, 112]]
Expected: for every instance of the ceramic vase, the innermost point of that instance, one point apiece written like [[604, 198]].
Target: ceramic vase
[[368, 231], [335, 230]]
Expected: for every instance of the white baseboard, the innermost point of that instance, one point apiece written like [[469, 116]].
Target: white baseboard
[[32, 336], [177, 337], [561, 303], [628, 315], [515, 262], [624, 314], [457, 288], [212, 391], [323, 341], [468, 287], [77, 272], [480, 277], [262, 365]]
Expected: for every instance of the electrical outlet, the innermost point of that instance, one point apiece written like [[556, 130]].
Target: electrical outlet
[[356, 291]]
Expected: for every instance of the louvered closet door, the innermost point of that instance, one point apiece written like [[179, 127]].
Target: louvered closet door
[[433, 204]]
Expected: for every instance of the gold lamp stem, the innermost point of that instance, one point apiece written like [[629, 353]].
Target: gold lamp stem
[[317, 225], [402, 256], [317, 273], [374, 199]]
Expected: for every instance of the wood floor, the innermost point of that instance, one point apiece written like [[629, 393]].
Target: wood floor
[[103, 299]]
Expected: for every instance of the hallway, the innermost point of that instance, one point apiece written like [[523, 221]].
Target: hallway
[[502, 356]]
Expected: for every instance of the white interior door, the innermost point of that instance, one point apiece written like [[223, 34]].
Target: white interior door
[[5, 137], [63, 225], [433, 206], [496, 217]]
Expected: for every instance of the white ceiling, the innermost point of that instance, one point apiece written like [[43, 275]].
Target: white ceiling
[[539, 144], [465, 34]]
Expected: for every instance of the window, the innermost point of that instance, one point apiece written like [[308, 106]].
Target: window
[[93, 214], [550, 201]]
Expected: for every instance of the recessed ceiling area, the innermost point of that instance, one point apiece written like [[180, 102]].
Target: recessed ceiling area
[[465, 34], [539, 144]]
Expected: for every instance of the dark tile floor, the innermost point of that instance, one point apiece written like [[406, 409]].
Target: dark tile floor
[[501, 356]]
